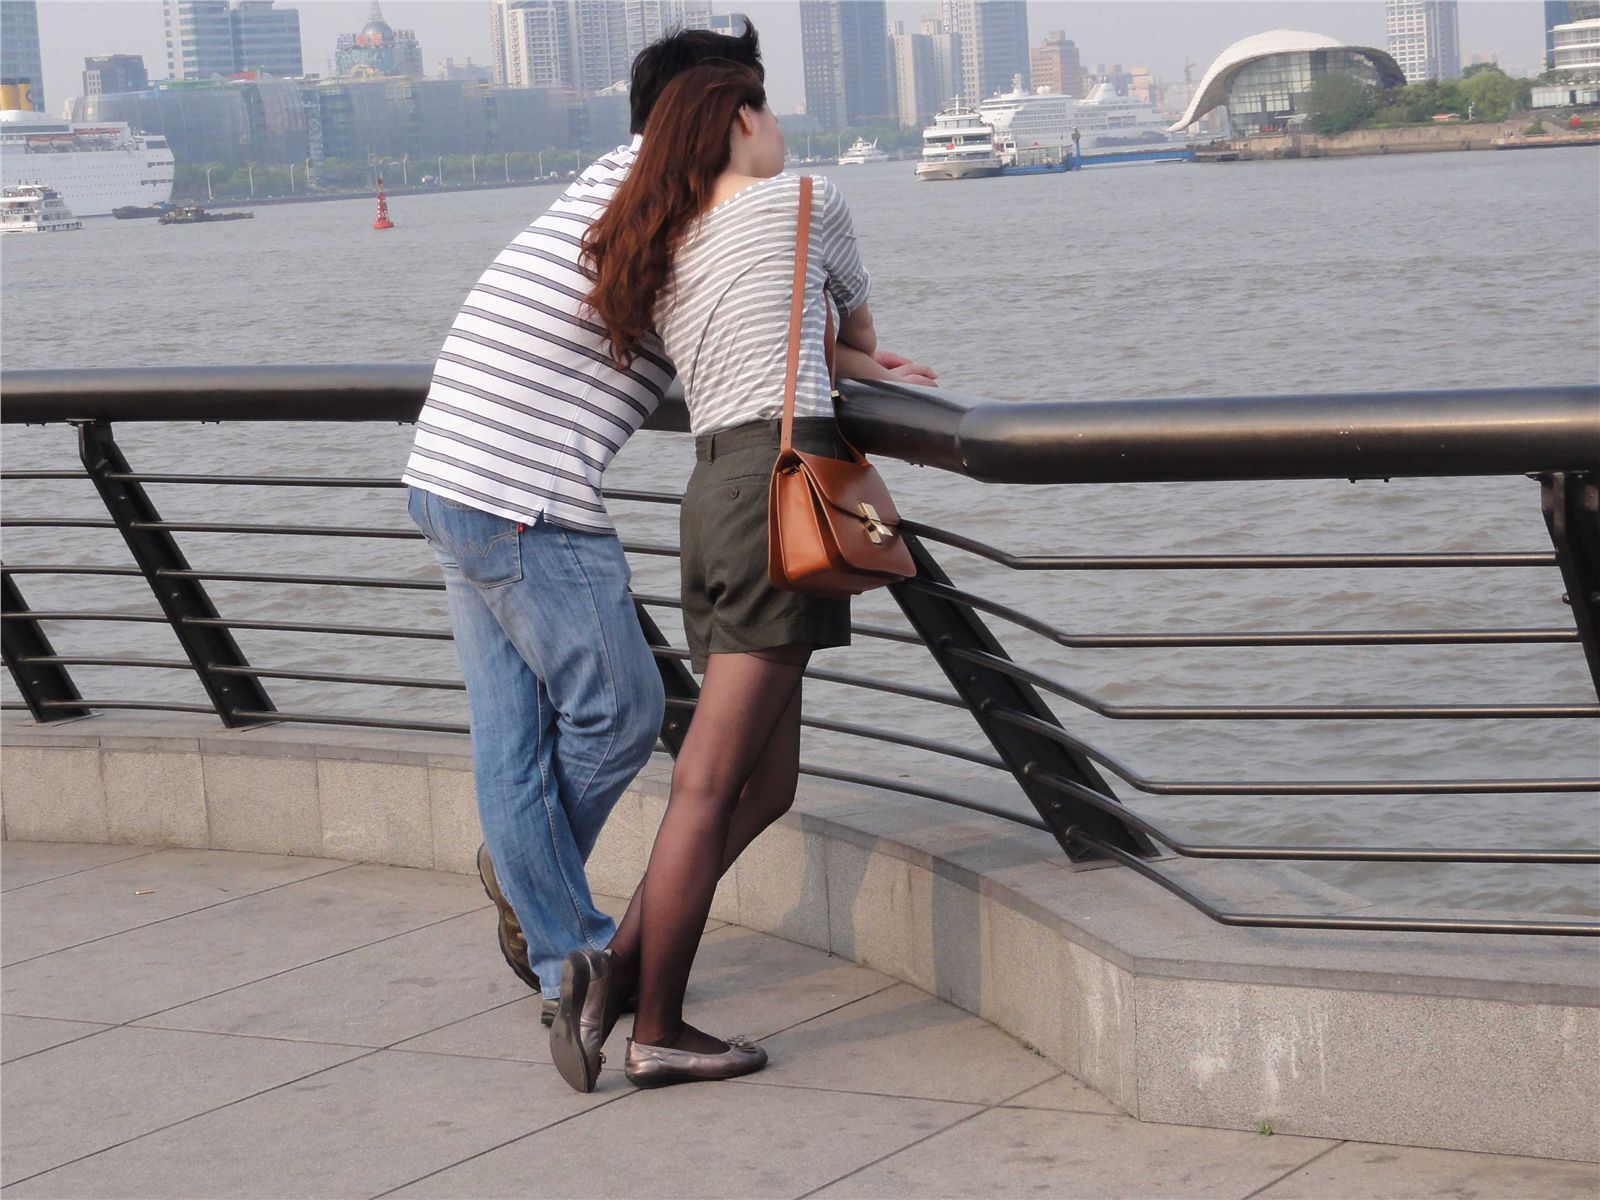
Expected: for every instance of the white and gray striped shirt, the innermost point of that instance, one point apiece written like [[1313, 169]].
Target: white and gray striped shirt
[[724, 320], [526, 409]]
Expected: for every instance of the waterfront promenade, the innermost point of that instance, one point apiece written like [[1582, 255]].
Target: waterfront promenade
[[204, 1023]]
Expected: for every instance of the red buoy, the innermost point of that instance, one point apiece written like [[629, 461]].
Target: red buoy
[[383, 221]]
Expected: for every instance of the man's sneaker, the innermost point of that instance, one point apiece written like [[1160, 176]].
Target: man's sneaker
[[512, 944]]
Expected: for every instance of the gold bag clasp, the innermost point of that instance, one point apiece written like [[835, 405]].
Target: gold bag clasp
[[876, 529]]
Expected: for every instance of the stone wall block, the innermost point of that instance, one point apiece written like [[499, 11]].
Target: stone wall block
[[782, 886], [375, 812], [453, 803], [1372, 1066], [54, 795], [265, 804], [156, 798]]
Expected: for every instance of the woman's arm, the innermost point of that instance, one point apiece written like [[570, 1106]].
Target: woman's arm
[[856, 329], [850, 363]]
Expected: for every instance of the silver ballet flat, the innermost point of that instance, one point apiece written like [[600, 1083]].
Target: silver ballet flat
[[579, 1028], [658, 1066]]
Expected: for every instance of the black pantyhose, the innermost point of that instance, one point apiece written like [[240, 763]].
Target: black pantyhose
[[734, 776]]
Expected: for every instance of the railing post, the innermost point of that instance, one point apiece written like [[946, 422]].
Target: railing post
[[675, 678], [24, 644], [1571, 503], [157, 554], [946, 625]]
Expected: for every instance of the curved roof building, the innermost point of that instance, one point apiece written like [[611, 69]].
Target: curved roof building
[[1263, 79]]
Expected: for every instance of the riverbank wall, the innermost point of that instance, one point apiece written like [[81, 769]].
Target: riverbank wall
[[1410, 139]]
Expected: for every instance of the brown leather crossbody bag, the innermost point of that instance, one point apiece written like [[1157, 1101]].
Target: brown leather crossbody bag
[[832, 529]]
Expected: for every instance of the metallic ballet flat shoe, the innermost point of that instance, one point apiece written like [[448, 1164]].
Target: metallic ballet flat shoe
[[659, 1066], [581, 1025]]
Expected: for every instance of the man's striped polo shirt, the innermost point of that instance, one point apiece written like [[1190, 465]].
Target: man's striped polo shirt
[[526, 408]]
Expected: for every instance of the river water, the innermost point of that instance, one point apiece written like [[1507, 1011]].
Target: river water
[[1449, 270]]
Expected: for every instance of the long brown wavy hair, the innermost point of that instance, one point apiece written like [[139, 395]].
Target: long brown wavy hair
[[628, 252]]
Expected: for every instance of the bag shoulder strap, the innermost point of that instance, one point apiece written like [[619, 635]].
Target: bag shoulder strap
[[797, 305]]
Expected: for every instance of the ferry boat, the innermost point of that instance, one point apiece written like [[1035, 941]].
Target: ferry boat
[[958, 145], [1043, 120], [862, 151], [95, 166], [34, 208]]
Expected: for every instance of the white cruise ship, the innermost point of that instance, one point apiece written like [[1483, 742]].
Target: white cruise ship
[[958, 146], [1045, 120], [862, 151], [94, 166]]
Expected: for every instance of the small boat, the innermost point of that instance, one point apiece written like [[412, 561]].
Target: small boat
[[194, 214], [34, 208], [134, 212], [862, 151]]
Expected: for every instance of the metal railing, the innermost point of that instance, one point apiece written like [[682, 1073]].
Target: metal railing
[[1551, 434]]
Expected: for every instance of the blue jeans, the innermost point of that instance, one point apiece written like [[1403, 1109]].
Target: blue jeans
[[565, 703]]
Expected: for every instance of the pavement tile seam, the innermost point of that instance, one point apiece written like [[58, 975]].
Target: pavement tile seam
[[290, 970], [1270, 1184], [22, 887], [757, 1081], [978, 1111], [889, 983], [180, 916], [521, 1137], [367, 1053], [58, 1045]]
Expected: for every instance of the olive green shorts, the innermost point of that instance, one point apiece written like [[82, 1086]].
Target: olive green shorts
[[729, 605]]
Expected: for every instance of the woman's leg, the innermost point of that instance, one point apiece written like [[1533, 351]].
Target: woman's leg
[[767, 795], [742, 704]]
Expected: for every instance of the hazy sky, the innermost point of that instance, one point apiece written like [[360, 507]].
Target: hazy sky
[[1133, 32]]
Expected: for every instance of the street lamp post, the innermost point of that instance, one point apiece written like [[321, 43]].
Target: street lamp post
[[291, 179], [209, 196], [508, 168], [308, 174], [541, 164], [405, 173], [441, 170], [474, 168], [251, 169]]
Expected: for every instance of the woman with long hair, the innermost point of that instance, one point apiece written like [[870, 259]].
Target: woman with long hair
[[699, 247]]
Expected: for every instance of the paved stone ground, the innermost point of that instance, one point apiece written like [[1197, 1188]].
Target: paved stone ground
[[196, 1023]]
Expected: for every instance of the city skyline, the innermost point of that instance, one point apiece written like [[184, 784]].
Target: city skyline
[[1163, 36]]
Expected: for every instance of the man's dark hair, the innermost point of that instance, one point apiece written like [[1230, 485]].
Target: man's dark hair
[[662, 61]]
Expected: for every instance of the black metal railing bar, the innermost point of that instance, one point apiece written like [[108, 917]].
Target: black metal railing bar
[[1551, 433]]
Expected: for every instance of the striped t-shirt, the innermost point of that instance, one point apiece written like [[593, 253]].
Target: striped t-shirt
[[724, 319], [526, 409]]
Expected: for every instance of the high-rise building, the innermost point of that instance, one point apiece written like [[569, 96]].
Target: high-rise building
[[600, 44], [994, 44], [266, 38], [648, 20], [20, 63], [845, 47], [1564, 12], [538, 43], [731, 24], [210, 37], [1056, 65], [1423, 38], [916, 83], [822, 57], [945, 48], [114, 73]]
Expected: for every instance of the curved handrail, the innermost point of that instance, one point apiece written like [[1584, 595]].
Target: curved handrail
[[1482, 431]]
